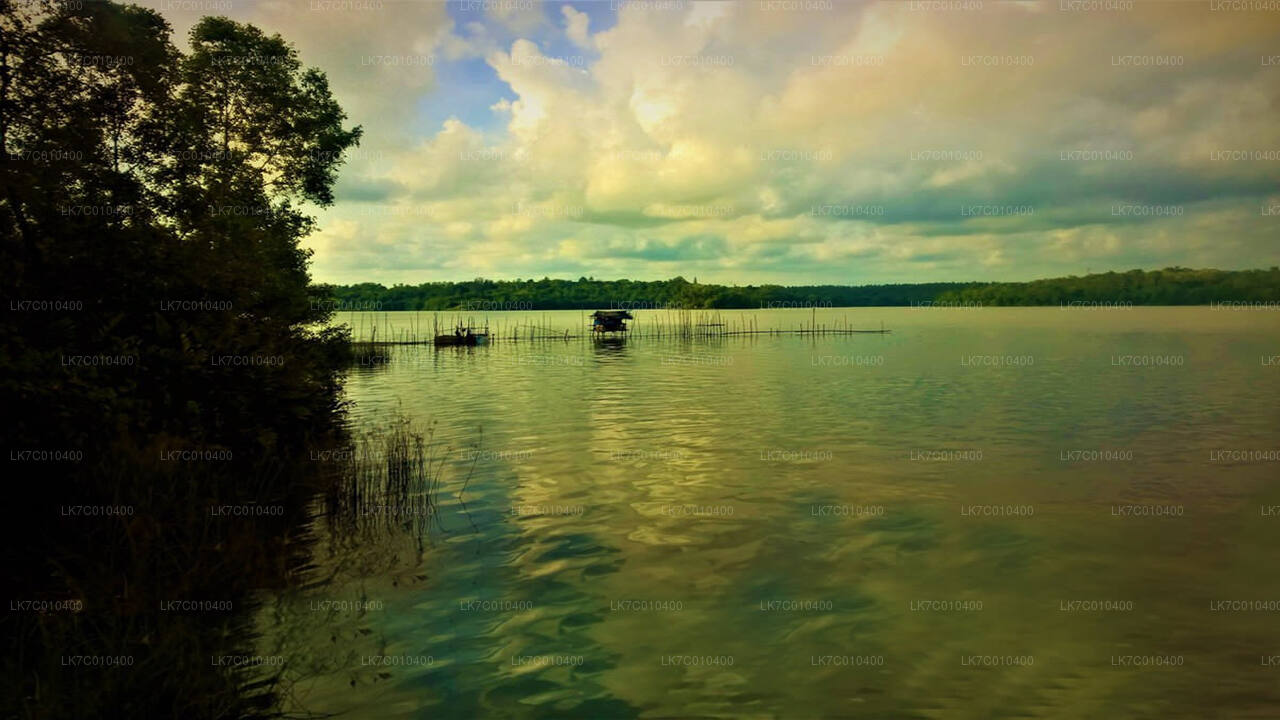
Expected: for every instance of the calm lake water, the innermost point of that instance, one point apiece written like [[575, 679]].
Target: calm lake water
[[1015, 512]]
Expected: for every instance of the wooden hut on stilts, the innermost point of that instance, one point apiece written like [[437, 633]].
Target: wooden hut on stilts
[[610, 321]]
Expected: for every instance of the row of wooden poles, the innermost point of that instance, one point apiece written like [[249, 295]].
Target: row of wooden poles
[[369, 329]]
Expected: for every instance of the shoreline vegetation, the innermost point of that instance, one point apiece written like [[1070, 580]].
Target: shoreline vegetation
[[1170, 286], [179, 437]]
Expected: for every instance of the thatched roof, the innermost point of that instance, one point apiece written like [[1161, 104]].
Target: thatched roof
[[612, 314]]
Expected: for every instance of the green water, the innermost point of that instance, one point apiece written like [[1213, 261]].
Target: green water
[[986, 513]]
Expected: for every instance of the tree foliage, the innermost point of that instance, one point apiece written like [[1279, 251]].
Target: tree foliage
[[1172, 286], [156, 298], [589, 293], [139, 182]]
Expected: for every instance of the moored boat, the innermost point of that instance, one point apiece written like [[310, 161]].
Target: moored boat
[[462, 336]]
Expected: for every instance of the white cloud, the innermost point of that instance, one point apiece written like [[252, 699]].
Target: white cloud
[[575, 26], [734, 121]]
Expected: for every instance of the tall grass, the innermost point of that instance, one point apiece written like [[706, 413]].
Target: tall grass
[[388, 480]]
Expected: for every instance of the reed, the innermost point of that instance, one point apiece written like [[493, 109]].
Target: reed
[[388, 480]]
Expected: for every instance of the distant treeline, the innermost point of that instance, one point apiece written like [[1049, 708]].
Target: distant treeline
[[1171, 286], [588, 293]]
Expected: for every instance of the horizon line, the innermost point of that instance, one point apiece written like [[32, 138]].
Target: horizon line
[[694, 281]]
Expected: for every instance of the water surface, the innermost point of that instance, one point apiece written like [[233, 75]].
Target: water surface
[[1016, 512]]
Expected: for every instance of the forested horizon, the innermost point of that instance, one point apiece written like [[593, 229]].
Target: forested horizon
[[1169, 286]]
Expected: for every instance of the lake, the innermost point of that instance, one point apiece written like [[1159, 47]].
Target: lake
[[988, 512]]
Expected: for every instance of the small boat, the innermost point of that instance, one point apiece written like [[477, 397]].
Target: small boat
[[462, 336]]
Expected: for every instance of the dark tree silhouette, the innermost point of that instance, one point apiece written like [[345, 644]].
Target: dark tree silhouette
[[137, 180], [156, 297]]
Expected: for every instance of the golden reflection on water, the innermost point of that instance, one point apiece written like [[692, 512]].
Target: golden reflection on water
[[835, 527]]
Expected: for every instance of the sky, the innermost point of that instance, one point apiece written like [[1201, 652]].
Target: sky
[[790, 141]]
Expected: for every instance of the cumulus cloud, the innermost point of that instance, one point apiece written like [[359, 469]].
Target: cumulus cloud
[[575, 26], [769, 142]]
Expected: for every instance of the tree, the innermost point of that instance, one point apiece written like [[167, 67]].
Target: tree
[[151, 210], [135, 176]]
